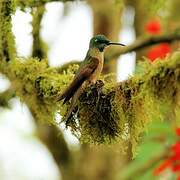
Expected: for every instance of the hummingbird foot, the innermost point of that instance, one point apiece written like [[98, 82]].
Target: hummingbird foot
[[99, 84], [96, 85]]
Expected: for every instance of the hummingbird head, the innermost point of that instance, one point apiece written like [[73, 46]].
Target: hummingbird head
[[101, 42]]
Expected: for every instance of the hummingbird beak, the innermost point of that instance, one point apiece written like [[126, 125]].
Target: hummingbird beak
[[114, 43]]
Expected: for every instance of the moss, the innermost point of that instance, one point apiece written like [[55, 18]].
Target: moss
[[109, 112], [7, 44], [38, 85], [40, 48], [37, 3]]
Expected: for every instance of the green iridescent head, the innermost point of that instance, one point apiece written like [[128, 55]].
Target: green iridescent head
[[101, 42]]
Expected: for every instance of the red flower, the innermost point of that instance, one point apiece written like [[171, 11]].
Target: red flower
[[162, 167], [178, 131], [153, 27], [176, 168], [173, 161], [159, 51], [176, 150]]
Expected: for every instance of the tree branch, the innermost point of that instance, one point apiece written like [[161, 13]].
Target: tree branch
[[5, 97], [107, 111], [145, 42], [36, 3], [121, 110], [7, 43], [39, 46]]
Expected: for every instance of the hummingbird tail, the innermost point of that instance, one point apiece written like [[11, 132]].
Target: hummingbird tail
[[73, 104], [60, 97]]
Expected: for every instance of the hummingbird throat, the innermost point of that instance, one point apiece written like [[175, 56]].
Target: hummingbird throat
[[96, 53]]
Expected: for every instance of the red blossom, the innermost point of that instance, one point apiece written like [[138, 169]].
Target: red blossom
[[173, 161], [176, 150], [178, 131], [176, 168], [159, 51], [163, 166], [153, 27]]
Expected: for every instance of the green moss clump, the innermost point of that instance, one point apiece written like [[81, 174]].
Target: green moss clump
[[7, 43], [38, 85]]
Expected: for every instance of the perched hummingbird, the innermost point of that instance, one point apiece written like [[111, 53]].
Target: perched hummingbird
[[88, 72]]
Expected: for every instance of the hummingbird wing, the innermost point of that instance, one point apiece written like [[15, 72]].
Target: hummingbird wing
[[83, 74]]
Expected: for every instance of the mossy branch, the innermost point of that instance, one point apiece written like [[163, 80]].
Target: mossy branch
[[144, 42], [39, 46], [5, 97], [36, 3], [7, 44], [122, 111], [107, 111]]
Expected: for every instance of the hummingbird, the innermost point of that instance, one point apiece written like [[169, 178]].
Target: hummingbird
[[88, 72]]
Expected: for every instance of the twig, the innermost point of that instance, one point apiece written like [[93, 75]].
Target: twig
[[40, 48], [143, 43], [37, 3], [5, 97]]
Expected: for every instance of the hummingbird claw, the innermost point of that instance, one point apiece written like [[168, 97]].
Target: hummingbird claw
[[99, 84]]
